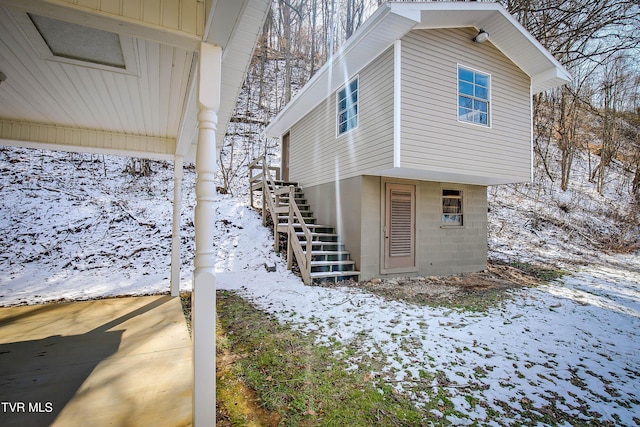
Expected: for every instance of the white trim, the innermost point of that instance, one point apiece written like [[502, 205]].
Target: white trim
[[52, 137], [531, 130], [322, 83], [397, 102], [175, 226], [384, 182], [452, 187], [489, 124]]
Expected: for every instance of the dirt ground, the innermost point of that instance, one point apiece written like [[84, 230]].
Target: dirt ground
[[463, 289]]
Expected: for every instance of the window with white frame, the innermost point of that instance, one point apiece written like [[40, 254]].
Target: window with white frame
[[347, 107], [452, 207], [474, 89]]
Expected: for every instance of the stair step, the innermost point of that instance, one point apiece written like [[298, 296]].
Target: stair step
[[302, 207], [282, 183], [299, 201], [307, 219], [318, 237], [330, 263], [329, 253], [304, 210], [315, 229], [303, 243], [334, 274], [314, 226]]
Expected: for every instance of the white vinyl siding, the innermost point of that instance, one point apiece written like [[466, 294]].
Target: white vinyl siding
[[432, 137], [318, 156]]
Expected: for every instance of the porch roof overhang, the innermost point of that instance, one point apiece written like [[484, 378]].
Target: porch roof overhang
[[393, 20], [146, 109]]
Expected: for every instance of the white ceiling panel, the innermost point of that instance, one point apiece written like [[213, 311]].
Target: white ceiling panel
[[151, 98]]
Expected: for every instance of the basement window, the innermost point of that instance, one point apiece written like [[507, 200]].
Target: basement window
[[452, 207]]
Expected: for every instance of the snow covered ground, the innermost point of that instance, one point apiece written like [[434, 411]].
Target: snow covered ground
[[570, 348]]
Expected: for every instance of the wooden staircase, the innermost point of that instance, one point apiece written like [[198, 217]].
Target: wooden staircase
[[317, 248]]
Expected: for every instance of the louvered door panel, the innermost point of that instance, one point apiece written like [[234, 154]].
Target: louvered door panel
[[400, 228], [401, 221]]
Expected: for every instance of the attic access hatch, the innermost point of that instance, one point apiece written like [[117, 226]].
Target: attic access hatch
[[80, 45]]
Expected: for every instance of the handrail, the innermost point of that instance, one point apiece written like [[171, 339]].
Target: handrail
[[294, 245], [267, 182], [267, 185], [259, 163]]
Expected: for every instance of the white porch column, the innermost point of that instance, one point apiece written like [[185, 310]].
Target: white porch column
[[175, 233], [203, 303]]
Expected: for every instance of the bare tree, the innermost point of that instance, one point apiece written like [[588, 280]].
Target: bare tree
[[617, 88], [583, 35]]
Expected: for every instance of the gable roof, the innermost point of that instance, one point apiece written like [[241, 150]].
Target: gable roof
[[393, 20]]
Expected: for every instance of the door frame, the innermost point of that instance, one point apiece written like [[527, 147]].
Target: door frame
[[401, 264], [285, 156]]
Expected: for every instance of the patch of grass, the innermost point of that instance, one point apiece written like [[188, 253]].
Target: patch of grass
[[185, 301], [305, 383], [543, 274], [474, 302]]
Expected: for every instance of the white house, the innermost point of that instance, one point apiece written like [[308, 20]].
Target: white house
[[396, 138]]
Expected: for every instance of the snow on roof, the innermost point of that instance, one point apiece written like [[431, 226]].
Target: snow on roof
[[393, 20]]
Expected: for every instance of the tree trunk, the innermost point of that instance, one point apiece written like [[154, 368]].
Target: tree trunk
[[285, 15], [565, 143]]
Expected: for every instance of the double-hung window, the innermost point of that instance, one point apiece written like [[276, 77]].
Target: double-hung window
[[473, 96], [347, 107], [452, 207]]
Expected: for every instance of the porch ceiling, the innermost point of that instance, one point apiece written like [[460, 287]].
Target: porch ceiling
[[147, 109]]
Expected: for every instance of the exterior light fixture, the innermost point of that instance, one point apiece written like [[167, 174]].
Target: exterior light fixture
[[481, 37], [3, 77]]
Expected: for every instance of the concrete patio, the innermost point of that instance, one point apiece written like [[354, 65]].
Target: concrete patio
[[111, 362]]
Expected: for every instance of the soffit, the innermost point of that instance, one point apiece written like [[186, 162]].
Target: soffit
[[235, 27], [505, 33]]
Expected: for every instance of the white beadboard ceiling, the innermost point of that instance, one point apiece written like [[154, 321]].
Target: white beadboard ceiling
[[148, 109]]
